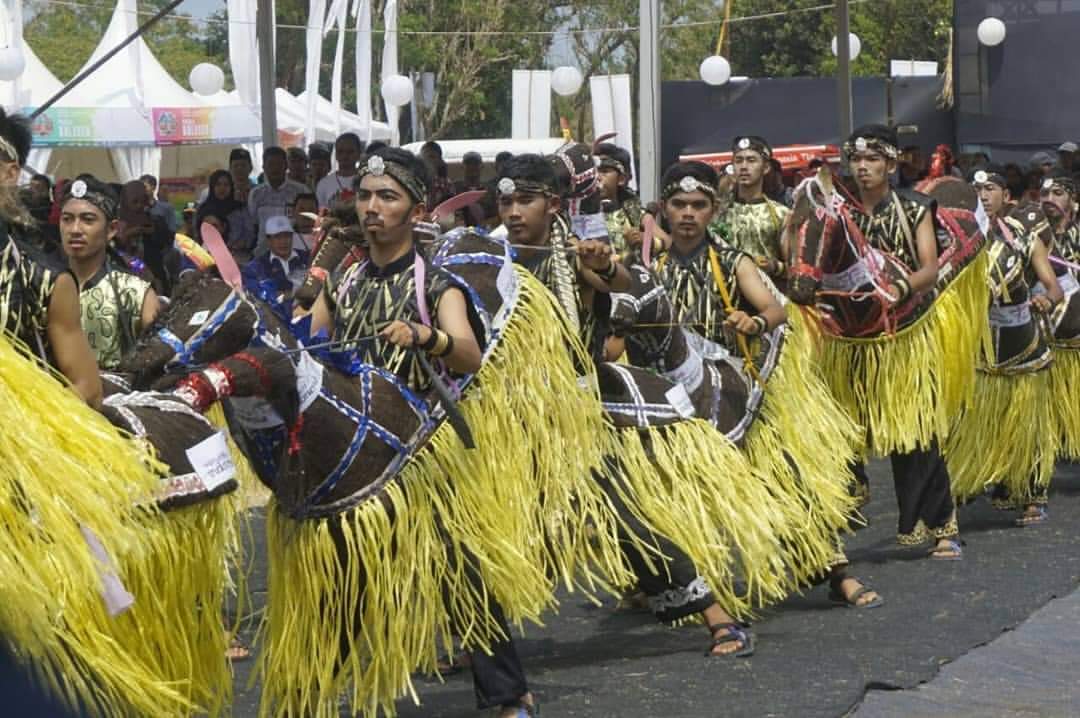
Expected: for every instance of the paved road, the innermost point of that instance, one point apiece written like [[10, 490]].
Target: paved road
[[812, 659]]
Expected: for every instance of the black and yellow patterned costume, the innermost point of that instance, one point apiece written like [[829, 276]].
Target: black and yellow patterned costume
[[697, 284], [111, 308], [25, 289], [1004, 437], [628, 213], [557, 270], [365, 298], [756, 227]]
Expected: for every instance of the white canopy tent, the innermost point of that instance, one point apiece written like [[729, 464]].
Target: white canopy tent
[[34, 87], [129, 117], [349, 121]]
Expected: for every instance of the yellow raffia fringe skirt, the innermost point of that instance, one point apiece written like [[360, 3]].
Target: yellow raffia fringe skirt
[[1004, 437], [389, 580], [1062, 400], [767, 514], [67, 475], [803, 442], [907, 388]]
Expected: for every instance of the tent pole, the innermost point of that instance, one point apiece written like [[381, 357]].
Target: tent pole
[[108, 56], [649, 98], [843, 69], [264, 30]]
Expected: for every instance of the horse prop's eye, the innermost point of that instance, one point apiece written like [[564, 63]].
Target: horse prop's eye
[[643, 277]]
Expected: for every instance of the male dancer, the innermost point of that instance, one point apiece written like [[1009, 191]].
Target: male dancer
[[529, 206], [717, 290], [378, 297], [115, 304], [754, 222], [39, 306], [901, 222], [622, 208]]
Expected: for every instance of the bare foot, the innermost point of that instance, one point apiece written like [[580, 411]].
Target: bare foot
[[525, 703]]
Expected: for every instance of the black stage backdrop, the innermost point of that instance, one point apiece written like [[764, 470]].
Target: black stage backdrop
[[698, 118], [1022, 95]]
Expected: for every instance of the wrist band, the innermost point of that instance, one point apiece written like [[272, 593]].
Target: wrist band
[[431, 340], [444, 346], [905, 289], [762, 322]]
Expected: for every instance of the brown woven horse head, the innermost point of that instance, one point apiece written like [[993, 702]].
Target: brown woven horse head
[[834, 269]]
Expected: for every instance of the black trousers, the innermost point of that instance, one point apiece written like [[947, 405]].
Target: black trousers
[[673, 586], [923, 495], [499, 678]]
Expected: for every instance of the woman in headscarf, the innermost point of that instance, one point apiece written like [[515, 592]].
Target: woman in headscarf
[[239, 231]]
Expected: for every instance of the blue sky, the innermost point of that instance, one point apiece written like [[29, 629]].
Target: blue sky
[[200, 8]]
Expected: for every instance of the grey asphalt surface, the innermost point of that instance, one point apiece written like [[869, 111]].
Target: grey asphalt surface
[[812, 659]]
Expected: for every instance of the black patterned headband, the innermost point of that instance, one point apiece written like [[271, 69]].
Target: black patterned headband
[[377, 166], [687, 184], [870, 144], [982, 177], [605, 162], [507, 186], [1067, 184], [80, 190]]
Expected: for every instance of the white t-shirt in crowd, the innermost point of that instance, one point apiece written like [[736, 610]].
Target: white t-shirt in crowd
[[334, 188], [265, 202]]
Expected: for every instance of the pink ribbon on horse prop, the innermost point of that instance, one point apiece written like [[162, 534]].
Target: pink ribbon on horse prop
[[226, 265], [648, 224]]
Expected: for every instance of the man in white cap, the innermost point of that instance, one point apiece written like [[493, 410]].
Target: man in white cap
[[274, 276], [1067, 156]]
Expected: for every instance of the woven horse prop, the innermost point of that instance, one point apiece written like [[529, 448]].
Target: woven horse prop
[[377, 503], [1004, 436], [1062, 330], [905, 370], [796, 444]]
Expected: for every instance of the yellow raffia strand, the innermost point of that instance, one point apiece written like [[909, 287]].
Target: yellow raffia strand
[[66, 469], [1065, 410], [907, 388], [1005, 437], [522, 504], [690, 484], [801, 444]]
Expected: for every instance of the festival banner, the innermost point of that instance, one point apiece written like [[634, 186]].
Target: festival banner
[[204, 125], [88, 126]]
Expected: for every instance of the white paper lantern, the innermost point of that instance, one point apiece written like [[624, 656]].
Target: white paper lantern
[[715, 70], [991, 32], [206, 79], [566, 80], [397, 90], [12, 63], [854, 45]]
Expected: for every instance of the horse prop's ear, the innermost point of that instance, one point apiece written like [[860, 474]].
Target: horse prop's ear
[[458, 201], [648, 224], [225, 263], [602, 139]]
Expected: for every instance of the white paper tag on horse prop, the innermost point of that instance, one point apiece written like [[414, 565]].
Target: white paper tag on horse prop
[[850, 279], [506, 281], [589, 226], [982, 218], [116, 597], [680, 401], [212, 461], [1011, 316], [199, 318]]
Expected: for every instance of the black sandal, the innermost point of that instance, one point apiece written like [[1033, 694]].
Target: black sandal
[[732, 632], [836, 595]]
